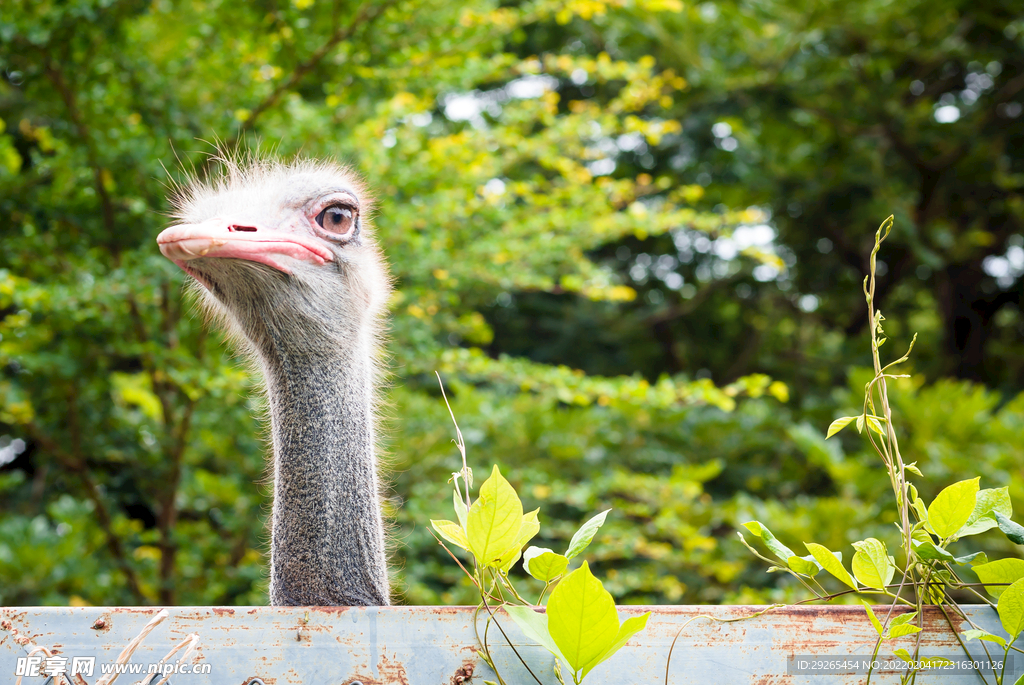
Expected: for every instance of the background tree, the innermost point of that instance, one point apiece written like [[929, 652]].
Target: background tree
[[608, 221]]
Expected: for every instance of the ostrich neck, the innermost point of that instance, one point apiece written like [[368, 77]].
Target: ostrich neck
[[327, 545]]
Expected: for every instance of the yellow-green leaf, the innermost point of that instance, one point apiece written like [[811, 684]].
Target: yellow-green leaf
[[136, 389], [585, 534], [838, 425], [1000, 571], [986, 502], [460, 508], [871, 565], [829, 562], [629, 628], [530, 527], [952, 507], [875, 425], [1011, 609], [534, 626], [902, 630], [544, 564], [874, 619], [494, 520], [582, 619], [975, 634], [769, 540], [804, 565], [452, 532]]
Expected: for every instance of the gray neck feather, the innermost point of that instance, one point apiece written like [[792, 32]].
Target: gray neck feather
[[327, 545]]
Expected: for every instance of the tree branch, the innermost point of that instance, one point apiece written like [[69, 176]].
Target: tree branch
[[56, 76], [78, 467], [366, 14], [168, 507]]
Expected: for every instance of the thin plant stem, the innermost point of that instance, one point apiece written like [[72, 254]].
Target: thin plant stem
[[460, 442], [952, 627], [518, 655], [668, 661]]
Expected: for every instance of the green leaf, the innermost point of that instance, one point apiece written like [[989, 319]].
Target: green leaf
[[494, 520], [999, 571], [136, 389], [975, 558], [983, 635], [769, 540], [452, 532], [871, 565], [544, 564], [585, 534], [903, 618], [903, 654], [860, 423], [901, 630], [629, 628], [871, 615], [952, 507], [582, 619], [534, 625], [928, 550], [838, 425], [987, 501], [912, 467], [875, 425], [922, 511], [1011, 609], [805, 565], [830, 563], [530, 527], [460, 508], [1010, 529]]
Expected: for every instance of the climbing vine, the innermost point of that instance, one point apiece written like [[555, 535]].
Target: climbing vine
[[930, 571], [580, 625]]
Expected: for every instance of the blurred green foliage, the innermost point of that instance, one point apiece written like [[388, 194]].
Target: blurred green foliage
[[629, 234]]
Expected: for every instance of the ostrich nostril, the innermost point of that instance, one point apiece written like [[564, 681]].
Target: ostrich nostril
[[247, 229]]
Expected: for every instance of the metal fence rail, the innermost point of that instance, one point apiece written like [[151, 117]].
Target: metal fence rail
[[436, 646]]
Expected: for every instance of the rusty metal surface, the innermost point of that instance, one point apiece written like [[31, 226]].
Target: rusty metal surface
[[435, 645]]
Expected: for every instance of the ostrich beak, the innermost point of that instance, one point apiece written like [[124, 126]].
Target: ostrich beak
[[228, 240]]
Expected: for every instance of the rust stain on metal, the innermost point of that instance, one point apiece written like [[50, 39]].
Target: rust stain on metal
[[771, 680], [440, 641], [446, 611], [79, 680], [391, 673], [464, 674], [329, 611]]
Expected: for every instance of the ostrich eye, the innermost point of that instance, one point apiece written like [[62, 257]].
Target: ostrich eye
[[337, 219]]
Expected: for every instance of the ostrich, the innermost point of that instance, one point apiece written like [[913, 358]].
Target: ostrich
[[283, 257]]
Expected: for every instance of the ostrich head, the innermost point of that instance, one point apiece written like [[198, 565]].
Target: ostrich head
[[282, 254], [281, 247]]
